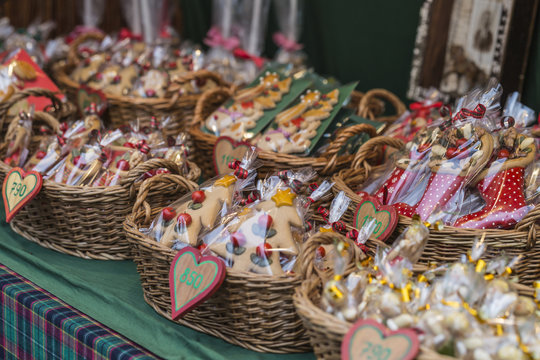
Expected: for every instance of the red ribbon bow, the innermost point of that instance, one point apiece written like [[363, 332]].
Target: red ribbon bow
[[243, 54], [478, 113]]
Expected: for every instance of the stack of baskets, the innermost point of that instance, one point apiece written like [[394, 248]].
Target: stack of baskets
[[124, 109], [82, 221]]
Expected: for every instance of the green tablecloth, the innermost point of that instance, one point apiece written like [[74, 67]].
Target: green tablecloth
[[110, 292]]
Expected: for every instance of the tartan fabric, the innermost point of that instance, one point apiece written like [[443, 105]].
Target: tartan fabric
[[37, 325]]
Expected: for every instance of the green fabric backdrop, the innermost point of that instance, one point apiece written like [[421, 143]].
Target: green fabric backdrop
[[369, 41]]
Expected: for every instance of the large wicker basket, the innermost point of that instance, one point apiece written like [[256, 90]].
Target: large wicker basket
[[326, 332], [250, 310], [123, 109], [83, 221], [326, 164], [448, 243]]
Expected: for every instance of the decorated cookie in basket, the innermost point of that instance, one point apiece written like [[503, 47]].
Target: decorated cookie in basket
[[18, 139], [296, 126], [501, 183], [456, 157], [181, 223], [88, 68], [265, 236], [248, 106]]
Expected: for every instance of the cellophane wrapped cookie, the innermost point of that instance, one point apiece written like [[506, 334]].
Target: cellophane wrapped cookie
[[81, 155], [430, 176], [182, 223], [421, 115], [469, 309], [266, 234]]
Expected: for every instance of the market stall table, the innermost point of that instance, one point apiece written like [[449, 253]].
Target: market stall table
[[110, 293]]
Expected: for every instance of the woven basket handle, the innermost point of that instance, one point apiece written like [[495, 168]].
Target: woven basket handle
[[342, 136], [155, 182], [21, 95], [73, 52], [365, 108], [366, 150], [209, 101], [309, 250], [39, 116], [152, 164]]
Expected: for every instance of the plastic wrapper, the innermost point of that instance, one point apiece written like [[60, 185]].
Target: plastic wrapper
[[18, 139], [222, 38], [289, 16], [148, 18], [80, 167], [469, 309], [240, 116], [265, 235], [181, 223], [91, 12], [522, 115], [298, 125], [252, 19], [48, 154], [420, 116]]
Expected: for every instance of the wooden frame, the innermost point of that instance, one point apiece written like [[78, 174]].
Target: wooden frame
[[461, 44]]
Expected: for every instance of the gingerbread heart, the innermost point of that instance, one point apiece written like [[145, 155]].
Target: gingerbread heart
[[368, 339], [385, 217], [19, 188], [226, 150], [192, 279]]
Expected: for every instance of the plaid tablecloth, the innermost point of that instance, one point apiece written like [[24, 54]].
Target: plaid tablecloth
[[34, 324]]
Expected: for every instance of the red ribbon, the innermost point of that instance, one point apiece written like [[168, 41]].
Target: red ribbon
[[214, 38], [243, 54], [423, 110], [125, 33], [478, 113], [239, 172]]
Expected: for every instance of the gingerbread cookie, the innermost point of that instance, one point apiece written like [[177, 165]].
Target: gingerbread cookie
[[297, 125], [248, 107]]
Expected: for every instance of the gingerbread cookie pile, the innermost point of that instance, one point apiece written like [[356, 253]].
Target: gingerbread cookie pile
[[466, 170], [78, 154]]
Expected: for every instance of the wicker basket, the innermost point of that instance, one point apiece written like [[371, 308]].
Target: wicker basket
[[60, 110], [81, 221], [250, 310], [447, 244], [326, 332], [123, 109], [326, 164], [371, 105]]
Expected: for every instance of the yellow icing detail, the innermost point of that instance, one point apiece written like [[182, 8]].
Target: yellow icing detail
[[284, 198], [225, 181]]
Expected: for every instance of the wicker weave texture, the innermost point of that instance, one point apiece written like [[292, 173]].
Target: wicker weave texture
[[249, 310]]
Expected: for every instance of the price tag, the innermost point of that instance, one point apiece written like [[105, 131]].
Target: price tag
[[369, 340], [19, 188], [86, 96], [226, 150], [385, 216], [192, 279]]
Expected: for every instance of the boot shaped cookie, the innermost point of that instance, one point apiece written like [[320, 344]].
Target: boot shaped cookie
[[455, 159], [501, 185], [408, 169]]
